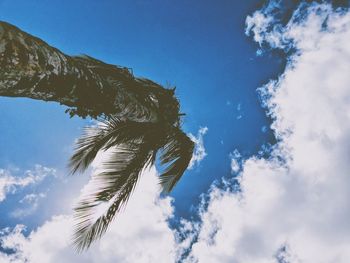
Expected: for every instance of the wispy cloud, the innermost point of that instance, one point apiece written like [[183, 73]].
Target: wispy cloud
[[10, 183], [30, 203], [199, 151], [236, 159]]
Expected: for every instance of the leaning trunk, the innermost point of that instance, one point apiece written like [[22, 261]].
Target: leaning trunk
[[31, 68], [145, 120]]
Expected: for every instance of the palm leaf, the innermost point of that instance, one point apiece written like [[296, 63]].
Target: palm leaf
[[177, 153], [114, 185], [134, 148], [110, 132]]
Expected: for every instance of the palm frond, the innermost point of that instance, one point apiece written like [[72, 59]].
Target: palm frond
[[114, 185], [177, 153], [111, 132], [134, 147]]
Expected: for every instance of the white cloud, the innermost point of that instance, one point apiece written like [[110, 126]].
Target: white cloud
[[235, 161], [296, 210], [140, 233], [31, 204], [199, 150], [10, 183], [261, 25], [32, 198]]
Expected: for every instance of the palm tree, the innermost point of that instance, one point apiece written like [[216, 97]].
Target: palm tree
[[139, 121]]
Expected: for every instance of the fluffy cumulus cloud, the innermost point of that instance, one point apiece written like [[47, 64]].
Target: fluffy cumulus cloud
[[294, 206], [140, 234]]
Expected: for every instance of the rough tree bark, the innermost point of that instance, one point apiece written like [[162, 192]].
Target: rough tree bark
[[31, 68]]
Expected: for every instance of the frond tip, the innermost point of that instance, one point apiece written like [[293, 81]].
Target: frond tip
[[113, 186], [133, 147], [177, 153]]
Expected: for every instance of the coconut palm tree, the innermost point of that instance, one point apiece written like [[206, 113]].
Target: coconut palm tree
[[139, 121]]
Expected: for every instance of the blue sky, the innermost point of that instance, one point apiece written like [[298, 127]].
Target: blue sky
[[202, 48]]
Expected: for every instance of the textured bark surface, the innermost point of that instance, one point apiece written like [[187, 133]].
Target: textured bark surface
[[31, 68]]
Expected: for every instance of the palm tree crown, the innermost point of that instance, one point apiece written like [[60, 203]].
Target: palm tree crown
[[134, 146], [139, 120]]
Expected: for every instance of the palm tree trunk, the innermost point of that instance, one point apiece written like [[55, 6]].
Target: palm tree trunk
[[31, 68]]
